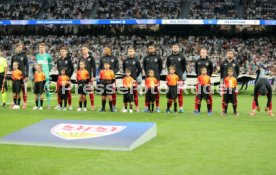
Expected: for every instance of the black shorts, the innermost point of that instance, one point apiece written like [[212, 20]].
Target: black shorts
[[82, 88], [63, 95], [172, 92], [38, 87], [107, 89], [230, 96], [1, 82], [16, 86], [128, 96], [151, 95], [204, 93]]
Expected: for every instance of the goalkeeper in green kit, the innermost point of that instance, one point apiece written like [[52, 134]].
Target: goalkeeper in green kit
[[45, 60]]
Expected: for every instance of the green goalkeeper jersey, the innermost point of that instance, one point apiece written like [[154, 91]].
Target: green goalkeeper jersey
[[45, 60]]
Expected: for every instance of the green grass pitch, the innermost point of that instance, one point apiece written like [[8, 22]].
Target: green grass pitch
[[185, 144]]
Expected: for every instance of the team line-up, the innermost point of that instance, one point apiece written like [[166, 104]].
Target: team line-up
[[109, 65]]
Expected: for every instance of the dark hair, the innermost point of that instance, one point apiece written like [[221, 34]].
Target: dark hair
[[175, 44], [83, 62], [151, 44]]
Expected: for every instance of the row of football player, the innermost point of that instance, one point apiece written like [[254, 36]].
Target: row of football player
[[151, 62], [107, 79]]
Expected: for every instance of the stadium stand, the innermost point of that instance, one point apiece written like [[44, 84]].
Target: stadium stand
[[213, 9], [257, 9], [73, 9], [139, 9], [20, 9]]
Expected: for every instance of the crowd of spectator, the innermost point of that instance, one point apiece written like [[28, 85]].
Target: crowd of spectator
[[20, 9], [145, 9], [260, 9], [140, 9], [73, 9], [213, 9]]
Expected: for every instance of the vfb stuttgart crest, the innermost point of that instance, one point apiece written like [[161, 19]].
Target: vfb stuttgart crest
[[81, 131]]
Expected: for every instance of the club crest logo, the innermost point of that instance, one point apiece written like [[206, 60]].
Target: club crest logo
[[80, 131]]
